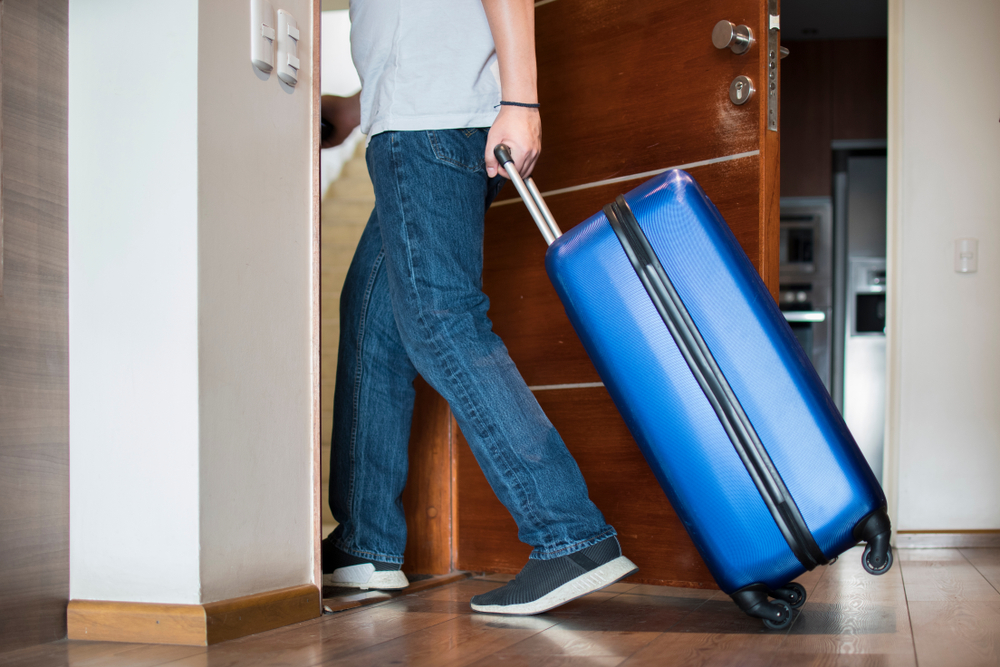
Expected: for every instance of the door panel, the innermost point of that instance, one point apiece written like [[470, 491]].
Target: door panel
[[630, 86]]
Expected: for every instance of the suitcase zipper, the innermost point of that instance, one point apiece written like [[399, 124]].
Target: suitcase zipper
[[709, 376]]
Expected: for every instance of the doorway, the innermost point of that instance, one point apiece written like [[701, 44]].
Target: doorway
[[833, 171]]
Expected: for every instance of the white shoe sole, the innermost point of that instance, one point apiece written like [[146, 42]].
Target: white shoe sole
[[365, 576], [595, 580]]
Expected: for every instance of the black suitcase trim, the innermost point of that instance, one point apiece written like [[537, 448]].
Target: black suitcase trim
[[709, 376]]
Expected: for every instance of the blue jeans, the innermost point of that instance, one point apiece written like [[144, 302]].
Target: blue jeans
[[413, 303]]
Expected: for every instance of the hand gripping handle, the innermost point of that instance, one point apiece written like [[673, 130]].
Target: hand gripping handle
[[540, 213]]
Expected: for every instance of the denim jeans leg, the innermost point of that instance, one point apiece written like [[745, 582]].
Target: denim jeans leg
[[431, 193], [373, 406]]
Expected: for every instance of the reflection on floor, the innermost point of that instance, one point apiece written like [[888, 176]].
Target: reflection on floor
[[339, 598], [935, 607]]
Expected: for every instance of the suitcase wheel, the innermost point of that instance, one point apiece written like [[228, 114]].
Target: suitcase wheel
[[877, 558], [783, 616], [794, 594], [753, 600], [875, 529]]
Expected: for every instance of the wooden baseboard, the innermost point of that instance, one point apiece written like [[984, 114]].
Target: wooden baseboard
[[191, 624], [947, 539]]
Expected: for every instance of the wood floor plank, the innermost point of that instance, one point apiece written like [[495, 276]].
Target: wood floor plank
[[582, 629], [319, 641], [461, 591], [669, 591], [562, 640], [987, 562], [341, 599], [460, 641], [842, 660], [547, 661], [945, 580], [97, 654], [915, 555], [718, 633], [851, 612], [136, 655], [955, 632], [625, 612], [750, 648]]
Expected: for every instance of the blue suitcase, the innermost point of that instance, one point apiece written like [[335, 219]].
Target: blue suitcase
[[714, 387]]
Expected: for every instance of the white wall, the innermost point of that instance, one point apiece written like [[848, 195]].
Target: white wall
[[254, 251], [133, 308], [190, 301], [944, 420]]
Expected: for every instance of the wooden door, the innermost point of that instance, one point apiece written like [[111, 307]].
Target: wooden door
[[627, 87], [34, 401]]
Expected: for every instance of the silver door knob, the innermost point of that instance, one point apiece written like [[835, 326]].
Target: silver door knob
[[738, 38]]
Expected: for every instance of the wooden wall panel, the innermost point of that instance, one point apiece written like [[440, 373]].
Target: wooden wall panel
[[525, 309], [628, 87], [427, 498], [34, 402], [830, 90], [620, 484], [806, 120], [860, 83]]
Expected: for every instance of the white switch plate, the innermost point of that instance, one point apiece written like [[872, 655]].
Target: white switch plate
[[288, 48], [262, 34], [966, 255]]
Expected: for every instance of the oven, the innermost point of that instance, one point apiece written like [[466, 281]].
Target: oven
[[805, 270]]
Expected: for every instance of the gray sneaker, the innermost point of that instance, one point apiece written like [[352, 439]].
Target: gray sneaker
[[545, 584]]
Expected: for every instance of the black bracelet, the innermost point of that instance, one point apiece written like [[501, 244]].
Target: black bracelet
[[517, 104]]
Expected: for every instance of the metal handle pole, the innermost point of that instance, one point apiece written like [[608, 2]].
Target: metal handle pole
[[532, 198]]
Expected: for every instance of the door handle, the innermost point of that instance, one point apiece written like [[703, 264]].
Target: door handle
[[737, 38], [804, 315]]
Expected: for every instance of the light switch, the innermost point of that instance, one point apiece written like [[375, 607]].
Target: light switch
[[966, 255], [288, 48], [262, 34]]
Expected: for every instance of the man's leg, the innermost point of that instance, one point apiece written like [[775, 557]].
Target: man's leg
[[373, 406], [431, 194]]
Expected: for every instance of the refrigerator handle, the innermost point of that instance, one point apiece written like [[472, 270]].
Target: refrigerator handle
[[532, 198]]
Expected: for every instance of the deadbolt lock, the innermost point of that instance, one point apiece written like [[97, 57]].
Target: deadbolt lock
[[738, 38], [741, 90]]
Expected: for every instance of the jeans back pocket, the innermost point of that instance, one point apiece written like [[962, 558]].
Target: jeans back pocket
[[465, 149]]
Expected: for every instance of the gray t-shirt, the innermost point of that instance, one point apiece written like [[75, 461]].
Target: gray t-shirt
[[424, 64]]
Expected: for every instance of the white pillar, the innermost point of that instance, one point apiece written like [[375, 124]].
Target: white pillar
[[191, 253]]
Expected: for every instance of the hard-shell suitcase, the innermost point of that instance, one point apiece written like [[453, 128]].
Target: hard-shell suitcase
[[712, 383]]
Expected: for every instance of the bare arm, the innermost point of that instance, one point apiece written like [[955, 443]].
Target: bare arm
[[344, 113], [512, 23]]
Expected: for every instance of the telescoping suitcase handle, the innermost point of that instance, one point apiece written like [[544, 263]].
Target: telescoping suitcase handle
[[531, 196]]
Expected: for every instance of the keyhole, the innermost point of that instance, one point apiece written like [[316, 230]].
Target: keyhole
[[739, 90]]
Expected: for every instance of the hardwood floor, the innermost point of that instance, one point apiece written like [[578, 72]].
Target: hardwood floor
[[936, 607]]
